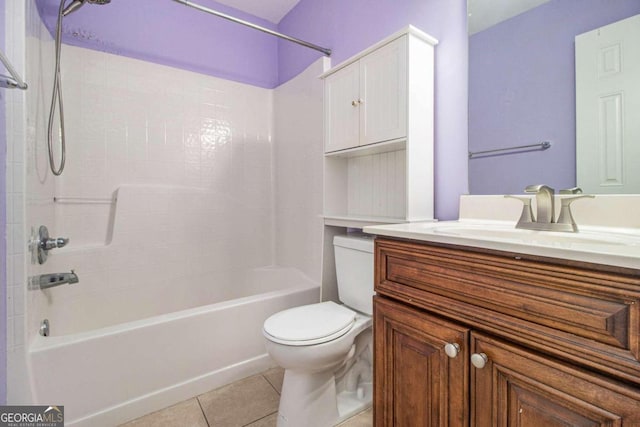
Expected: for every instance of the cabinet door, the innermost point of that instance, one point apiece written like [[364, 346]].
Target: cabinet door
[[521, 388], [383, 93], [341, 109], [415, 382]]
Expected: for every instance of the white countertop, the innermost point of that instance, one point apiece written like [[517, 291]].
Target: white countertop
[[600, 245]]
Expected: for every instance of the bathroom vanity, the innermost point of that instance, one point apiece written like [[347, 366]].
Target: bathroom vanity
[[483, 335]]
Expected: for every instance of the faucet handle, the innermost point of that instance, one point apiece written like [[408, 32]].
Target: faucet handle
[[538, 188], [527, 212], [565, 216], [574, 190]]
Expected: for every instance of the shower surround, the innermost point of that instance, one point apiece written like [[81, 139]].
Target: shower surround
[[169, 201]]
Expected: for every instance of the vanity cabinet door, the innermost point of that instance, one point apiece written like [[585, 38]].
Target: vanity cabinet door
[[516, 387], [415, 382]]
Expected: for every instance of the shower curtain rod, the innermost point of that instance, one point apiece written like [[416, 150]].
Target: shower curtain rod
[[14, 81], [255, 27]]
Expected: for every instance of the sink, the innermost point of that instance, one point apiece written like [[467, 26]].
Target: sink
[[504, 232], [602, 245]]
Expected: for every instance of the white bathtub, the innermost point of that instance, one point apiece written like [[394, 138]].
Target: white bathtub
[[112, 374]]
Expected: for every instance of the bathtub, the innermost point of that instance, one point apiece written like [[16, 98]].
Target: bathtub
[[115, 373]]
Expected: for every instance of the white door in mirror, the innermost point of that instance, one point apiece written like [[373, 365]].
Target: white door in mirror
[[607, 108]]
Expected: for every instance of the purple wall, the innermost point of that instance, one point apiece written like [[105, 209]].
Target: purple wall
[[169, 33], [522, 91], [348, 27], [3, 228]]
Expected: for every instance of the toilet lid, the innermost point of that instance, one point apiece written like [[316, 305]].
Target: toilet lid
[[309, 324]]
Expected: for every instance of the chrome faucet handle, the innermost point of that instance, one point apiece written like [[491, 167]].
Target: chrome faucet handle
[[46, 243], [527, 213], [52, 243], [544, 201], [566, 217]]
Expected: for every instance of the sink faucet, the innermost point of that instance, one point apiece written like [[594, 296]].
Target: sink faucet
[[544, 201], [545, 217]]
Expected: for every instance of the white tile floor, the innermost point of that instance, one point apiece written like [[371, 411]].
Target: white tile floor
[[251, 402]]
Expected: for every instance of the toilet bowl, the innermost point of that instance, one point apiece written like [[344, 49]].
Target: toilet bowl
[[326, 348]]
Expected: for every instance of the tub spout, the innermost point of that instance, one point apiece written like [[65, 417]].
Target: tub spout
[[46, 281]]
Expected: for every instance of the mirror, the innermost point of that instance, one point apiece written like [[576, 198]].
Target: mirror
[[522, 88]]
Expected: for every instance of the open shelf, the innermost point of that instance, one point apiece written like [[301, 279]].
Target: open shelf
[[365, 150], [359, 221]]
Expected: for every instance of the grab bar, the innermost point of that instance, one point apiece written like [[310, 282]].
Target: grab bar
[[541, 145], [84, 200], [15, 81]]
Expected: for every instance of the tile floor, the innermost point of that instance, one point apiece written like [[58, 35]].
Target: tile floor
[[251, 402]]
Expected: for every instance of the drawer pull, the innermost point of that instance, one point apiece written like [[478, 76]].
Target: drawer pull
[[479, 360], [452, 350]]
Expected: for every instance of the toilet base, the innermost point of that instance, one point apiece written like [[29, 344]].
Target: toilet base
[[308, 399], [315, 403], [351, 403]]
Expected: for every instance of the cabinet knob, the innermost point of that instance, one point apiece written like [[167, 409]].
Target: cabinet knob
[[452, 350], [355, 103], [479, 360]]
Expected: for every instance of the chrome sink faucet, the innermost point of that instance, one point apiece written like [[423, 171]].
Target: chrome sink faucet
[[545, 219]]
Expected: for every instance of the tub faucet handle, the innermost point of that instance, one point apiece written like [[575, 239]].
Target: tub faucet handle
[[46, 243], [52, 243]]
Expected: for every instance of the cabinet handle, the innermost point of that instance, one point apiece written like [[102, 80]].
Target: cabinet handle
[[452, 350], [479, 360]]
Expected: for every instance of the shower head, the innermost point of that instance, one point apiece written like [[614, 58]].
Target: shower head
[[77, 4]]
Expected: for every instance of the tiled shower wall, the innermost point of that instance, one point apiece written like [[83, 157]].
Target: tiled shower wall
[[134, 122], [168, 132], [3, 222], [15, 40]]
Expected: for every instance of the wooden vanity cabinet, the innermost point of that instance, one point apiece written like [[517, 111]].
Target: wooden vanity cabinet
[[538, 342]]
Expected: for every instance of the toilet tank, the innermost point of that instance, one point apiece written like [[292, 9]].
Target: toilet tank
[[354, 270]]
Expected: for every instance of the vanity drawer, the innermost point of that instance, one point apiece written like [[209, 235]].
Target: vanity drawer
[[574, 312]]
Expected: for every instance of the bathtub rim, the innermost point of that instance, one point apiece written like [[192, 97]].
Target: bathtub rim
[[41, 343]]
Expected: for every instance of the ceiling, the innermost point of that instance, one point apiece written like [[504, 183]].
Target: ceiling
[[271, 10], [482, 13], [486, 13]]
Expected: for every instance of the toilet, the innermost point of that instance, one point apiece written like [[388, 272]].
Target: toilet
[[326, 348]]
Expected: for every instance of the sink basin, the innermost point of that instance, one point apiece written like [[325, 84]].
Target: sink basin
[[602, 245], [503, 232]]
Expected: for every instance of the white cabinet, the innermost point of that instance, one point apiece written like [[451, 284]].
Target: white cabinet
[[341, 109], [378, 111], [366, 101]]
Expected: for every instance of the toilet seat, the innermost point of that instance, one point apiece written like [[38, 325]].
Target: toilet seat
[[309, 324]]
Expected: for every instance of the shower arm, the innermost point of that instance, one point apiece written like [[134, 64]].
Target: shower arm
[[324, 50]]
